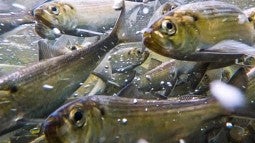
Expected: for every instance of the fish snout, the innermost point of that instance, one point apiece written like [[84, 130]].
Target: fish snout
[[50, 127], [37, 13], [147, 32], [156, 43]]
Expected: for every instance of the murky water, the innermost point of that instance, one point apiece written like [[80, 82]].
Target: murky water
[[19, 48]]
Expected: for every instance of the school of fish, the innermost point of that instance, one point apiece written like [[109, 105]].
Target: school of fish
[[127, 71]]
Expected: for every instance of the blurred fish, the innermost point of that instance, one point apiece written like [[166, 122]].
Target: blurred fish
[[19, 5], [127, 57], [68, 16], [14, 13], [176, 77], [115, 70], [61, 46], [250, 13], [39, 88], [9, 21], [114, 119], [81, 15], [46, 51], [210, 31]]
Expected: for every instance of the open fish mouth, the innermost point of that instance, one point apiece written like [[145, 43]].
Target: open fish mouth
[[42, 17], [44, 27], [45, 32], [152, 43]]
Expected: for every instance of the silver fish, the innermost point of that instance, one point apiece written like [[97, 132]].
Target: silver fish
[[38, 89], [115, 70], [114, 119]]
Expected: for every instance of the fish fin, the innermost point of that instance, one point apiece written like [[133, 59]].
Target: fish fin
[[47, 51], [239, 79], [226, 49], [83, 33], [231, 46], [44, 50]]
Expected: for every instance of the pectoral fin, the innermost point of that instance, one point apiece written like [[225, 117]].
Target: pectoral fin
[[47, 51], [225, 50], [83, 33]]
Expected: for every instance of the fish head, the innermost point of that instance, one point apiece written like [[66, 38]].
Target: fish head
[[173, 35], [55, 15], [250, 13], [74, 122], [137, 55], [127, 59]]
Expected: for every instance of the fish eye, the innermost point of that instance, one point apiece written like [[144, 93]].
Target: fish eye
[[168, 27], [138, 52], [54, 10], [77, 117]]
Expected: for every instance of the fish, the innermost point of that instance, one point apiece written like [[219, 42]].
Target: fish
[[121, 60], [250, 13], [61, 46], [176, 77], [66, 16], [83, 16], [46, 52], [14, 13], [19, 5], [9, 21], [210, 31], [127, 56], [38, 89], [116, 119], [115, 70]]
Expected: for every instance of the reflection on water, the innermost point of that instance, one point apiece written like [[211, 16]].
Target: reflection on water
[[32, 95]]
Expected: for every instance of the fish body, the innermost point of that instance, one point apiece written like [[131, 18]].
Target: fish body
[[189, 31], [126, 56], [114, 119], [66, 15], [250, 13], [39, 88], [120, 60], [81, 15], [115, 70], [10, 21], [176, 77]]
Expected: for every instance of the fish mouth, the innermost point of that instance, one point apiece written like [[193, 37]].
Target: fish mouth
[[44, 27], [45, 32], [152, 42], [44, 18]]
